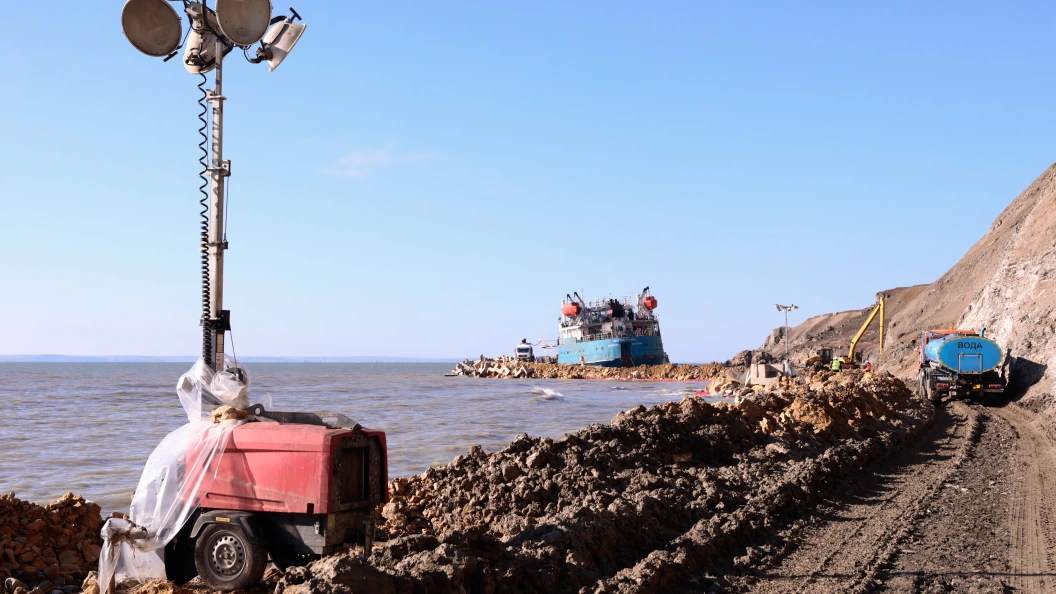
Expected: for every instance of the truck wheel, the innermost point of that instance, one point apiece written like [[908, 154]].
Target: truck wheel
[[227, 559], [929, 392]]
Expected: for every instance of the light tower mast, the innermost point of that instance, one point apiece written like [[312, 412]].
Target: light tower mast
[[155, 28], [219, 321]]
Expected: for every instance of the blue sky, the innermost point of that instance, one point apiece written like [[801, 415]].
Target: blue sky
[[430, 179]]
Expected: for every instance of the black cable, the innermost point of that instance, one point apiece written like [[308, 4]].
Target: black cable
[[204, 238]]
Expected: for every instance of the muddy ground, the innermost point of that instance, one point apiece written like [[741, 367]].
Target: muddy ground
[[968, 508]]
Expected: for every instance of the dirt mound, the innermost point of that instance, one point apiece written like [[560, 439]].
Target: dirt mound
[[48, 547], [637, 505]]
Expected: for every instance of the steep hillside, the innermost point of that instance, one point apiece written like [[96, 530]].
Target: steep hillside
[[1005, 283]]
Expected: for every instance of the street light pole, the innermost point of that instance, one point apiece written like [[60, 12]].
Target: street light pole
[[786, 309]]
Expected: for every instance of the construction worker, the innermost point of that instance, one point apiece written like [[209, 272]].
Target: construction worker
[[837, 363], [868, 365]]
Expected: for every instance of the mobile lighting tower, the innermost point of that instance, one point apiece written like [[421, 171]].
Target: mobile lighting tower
[[154, 28], [785, 330]]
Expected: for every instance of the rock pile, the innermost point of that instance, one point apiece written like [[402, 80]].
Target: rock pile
[[47, 548], [667, 372], [492, 368], [638, 505]]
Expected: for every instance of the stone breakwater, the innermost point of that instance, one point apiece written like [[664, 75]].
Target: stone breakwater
[[490, 368], [49, 548], [658, 496]]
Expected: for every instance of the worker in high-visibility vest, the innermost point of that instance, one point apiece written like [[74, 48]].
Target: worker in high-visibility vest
[[836, 364]]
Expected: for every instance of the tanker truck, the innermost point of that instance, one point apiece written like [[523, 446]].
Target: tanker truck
[[961, 364]]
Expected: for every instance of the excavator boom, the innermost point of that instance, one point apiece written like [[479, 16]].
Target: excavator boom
[[877, 309]]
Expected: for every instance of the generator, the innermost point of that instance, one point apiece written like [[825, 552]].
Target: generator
[[291, 487]]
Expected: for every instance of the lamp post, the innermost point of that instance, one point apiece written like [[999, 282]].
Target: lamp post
[[786, 309]]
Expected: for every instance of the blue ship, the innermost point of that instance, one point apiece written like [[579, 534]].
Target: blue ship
[[621, 332]]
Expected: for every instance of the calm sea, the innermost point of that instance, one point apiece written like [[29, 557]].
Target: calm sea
[[89, 427]]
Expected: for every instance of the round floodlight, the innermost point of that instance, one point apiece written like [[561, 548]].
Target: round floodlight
[[152, 26], [243, 21]]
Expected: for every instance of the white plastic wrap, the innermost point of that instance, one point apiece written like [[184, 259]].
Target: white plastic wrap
[[169, 489]]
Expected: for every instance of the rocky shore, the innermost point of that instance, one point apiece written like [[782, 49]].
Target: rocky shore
[[47, 549], [490, 368]]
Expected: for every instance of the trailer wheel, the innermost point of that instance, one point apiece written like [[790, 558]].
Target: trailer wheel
[[227, 559]]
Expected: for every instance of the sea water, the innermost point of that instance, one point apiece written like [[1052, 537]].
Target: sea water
[[89, 427]]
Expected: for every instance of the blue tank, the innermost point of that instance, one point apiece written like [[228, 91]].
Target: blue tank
[[963, 354]]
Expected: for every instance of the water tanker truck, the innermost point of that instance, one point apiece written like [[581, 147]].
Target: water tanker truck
[[961, 364]]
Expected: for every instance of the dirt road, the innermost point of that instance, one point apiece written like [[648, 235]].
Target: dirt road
[[970, 508]]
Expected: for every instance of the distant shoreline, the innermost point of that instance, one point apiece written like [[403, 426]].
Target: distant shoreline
[[177, 359]]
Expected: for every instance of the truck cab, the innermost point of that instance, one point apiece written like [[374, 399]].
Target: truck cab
[[524, 352]]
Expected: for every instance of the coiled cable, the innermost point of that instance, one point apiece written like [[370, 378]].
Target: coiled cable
[[204, 202]]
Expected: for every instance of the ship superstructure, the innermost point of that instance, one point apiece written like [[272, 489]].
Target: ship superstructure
[[623, 332]]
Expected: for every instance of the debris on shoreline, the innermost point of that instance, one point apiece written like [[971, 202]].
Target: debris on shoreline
[[47, 548], [489, 368], [660, 494]]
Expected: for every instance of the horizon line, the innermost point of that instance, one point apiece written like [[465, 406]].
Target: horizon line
[[50, 357]]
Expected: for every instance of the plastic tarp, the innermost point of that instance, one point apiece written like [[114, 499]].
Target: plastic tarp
[[171, 485]]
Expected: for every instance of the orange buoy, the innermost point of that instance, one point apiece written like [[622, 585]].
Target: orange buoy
[[570, 309], [649, 302]]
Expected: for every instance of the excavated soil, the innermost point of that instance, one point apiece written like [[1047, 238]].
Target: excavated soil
[[651, 501], [47, 547]]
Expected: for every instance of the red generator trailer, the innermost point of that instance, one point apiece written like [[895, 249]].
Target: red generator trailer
[[293, 487]]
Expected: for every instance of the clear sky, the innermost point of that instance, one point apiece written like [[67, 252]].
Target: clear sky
[[430, 179]]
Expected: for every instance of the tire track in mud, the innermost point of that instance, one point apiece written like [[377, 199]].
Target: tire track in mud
[[863, 522], [1033, 504]]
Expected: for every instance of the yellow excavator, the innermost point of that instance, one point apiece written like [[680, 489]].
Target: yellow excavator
[[823, 356], [851, 361]]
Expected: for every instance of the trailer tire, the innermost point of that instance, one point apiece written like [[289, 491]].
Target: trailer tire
[[227, 559]]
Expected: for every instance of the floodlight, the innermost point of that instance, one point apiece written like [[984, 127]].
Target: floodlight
[[279, 42], [200, 55], [244, 22], [152, 26]]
